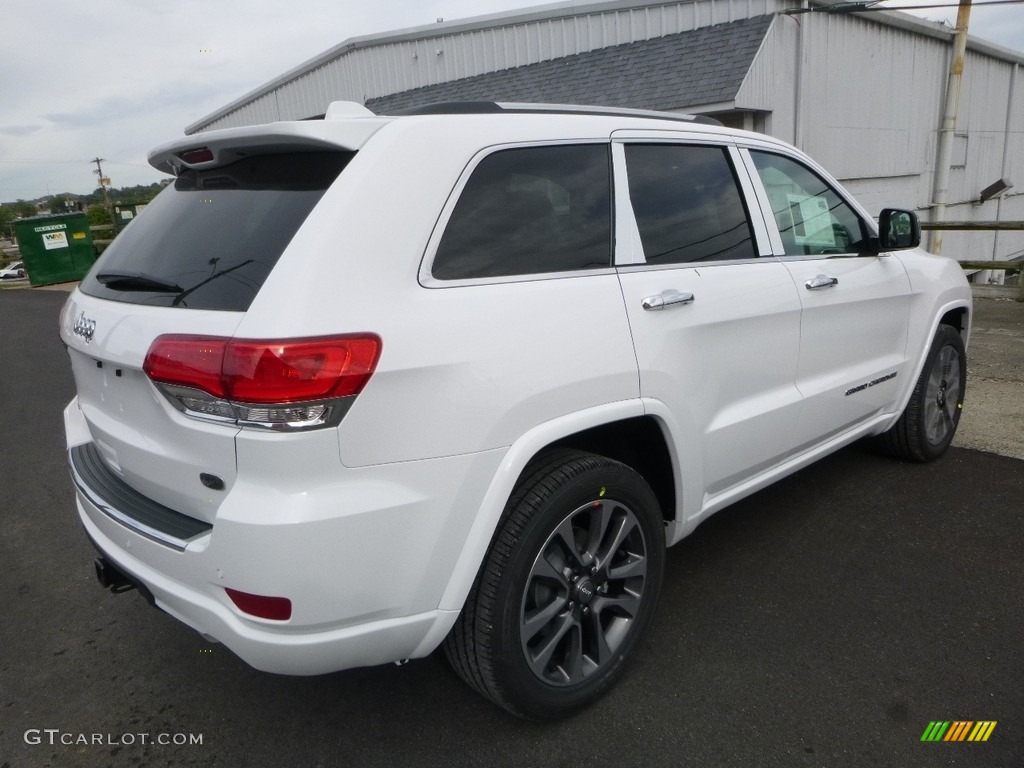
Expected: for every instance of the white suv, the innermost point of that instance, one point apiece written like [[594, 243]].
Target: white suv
[[353, 388]]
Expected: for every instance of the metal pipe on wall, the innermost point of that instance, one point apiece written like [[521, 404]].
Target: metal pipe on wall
[[1004, 167], [940, 190], [798, 84]]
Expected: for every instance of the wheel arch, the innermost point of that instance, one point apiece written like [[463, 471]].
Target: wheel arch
[[640, 444], [958, 318], [955, 313], [621, 431]]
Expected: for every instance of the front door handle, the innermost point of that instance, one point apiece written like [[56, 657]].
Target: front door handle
[[821, 281], [664, 299]]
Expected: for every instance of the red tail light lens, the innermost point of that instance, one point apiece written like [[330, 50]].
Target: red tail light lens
[[298, 371], [266, 372], [195, 156], [190, 361], [276, 608]]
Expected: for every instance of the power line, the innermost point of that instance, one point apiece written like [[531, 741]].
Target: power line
[[940, 5], [69, 162], [870, 7]]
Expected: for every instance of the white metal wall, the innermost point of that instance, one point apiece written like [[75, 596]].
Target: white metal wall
[[869, 106], [863, 97], [370, 70]]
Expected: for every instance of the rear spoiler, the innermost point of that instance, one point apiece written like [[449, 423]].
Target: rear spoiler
[[213, 148]]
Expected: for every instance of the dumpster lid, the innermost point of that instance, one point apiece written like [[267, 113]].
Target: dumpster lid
[[50, 216]]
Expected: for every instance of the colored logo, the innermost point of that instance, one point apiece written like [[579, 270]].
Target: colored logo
[[958, 730]]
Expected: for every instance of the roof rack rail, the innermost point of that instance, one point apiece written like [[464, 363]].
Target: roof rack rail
[[495, 107]]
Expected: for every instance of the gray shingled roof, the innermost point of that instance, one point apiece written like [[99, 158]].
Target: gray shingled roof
[[702, 66]]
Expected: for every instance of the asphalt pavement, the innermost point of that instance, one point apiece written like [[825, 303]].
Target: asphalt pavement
[[825, 621]]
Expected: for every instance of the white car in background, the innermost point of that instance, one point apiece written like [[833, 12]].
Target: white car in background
[[360, 387], [14, 271]]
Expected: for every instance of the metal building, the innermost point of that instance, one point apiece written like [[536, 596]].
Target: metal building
[[861, 92]]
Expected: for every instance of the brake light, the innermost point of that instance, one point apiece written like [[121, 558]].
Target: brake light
[[288, 383], [196, 156], [298, 371], [188, 361], [265, 372]]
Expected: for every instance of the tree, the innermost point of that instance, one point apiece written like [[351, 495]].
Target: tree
[[24, 209], [6, 222], [98, 215], [58, 204]]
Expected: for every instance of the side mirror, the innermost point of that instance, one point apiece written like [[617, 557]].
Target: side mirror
[[898, 229]]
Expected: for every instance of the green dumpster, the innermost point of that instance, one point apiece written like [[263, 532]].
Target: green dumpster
[[55, 249], [125, 213]]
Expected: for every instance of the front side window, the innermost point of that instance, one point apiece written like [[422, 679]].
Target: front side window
[[687, 204], [530, 210], [811, 217]]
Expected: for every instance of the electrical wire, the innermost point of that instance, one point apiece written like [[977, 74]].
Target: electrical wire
[[874, 6]]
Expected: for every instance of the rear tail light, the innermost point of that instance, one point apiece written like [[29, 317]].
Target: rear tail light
[[277, 384], [276, 608]]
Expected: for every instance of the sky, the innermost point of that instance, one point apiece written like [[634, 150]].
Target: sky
[[115, 78]]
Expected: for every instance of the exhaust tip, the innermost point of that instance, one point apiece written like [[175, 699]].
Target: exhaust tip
[[110, 577]]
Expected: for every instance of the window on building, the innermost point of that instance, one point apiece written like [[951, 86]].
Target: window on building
[[812, 218], [687, 204], [528, 211]]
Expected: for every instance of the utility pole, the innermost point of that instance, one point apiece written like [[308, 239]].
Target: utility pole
[[940, 191], [104, 183]]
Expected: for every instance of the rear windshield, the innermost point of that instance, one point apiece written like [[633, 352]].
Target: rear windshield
[[210, 239]]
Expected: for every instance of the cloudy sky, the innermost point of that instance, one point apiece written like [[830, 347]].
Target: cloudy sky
[[114, 78]]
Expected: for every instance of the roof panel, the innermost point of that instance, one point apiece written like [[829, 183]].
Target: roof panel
[[701, 66]]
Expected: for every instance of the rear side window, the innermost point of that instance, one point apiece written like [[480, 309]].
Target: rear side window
[[210, 239], [687, 204], [531, 210]]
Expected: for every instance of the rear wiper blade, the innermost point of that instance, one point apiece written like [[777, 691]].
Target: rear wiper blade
[[133, 281]]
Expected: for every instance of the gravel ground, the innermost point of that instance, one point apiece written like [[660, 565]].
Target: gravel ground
[[993, 417]]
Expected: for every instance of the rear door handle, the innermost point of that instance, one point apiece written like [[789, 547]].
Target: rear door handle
[[821, 281], [664, 299]]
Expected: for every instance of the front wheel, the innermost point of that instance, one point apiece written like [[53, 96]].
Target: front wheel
[[926, 428], [567, 589]]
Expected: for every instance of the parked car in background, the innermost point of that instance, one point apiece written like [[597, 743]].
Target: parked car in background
[[13, 271], [357, 388]]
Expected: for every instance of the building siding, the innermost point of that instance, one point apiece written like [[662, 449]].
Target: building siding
[[361, 73], [862, 94]]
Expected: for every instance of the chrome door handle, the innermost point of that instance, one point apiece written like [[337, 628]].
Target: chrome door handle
[[821, 281], [666, 299]]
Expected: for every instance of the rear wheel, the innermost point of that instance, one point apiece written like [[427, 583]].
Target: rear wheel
[[929, 422], [566, 590]]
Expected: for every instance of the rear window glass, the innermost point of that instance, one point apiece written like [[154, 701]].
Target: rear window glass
[[531, 210], [209, 240]]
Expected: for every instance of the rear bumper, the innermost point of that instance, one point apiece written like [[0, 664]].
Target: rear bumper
[[364, 556], [286, 650]]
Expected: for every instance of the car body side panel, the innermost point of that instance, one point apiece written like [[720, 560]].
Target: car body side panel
[[853, 341], [464, 368]]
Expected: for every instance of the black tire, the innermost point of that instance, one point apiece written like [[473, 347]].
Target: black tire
[[550, 623], [927, 426]]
